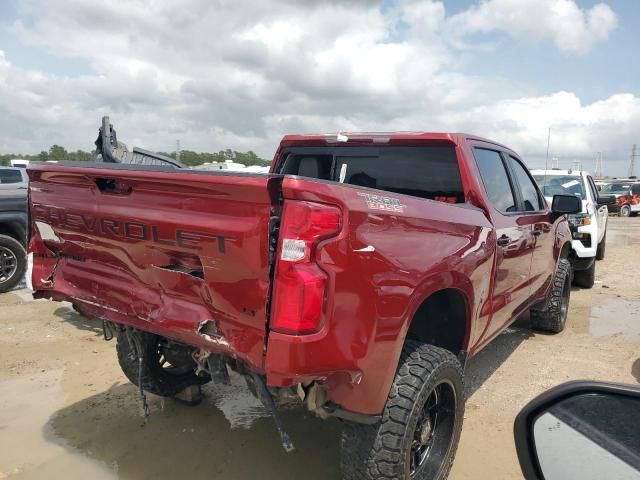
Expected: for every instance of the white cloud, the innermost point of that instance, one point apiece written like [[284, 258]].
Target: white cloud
[[216, 75], [578, 131], [572, 29]]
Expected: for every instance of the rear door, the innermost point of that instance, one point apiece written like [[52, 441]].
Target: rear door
[[515, 240], [185, 254]]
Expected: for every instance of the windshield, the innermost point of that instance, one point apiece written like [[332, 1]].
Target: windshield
[[616, 188], [560, 185]]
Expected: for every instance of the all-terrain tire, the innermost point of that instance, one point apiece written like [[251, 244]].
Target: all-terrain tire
[[155, 378], [602, 247], [13, 262], [585, 278], [551, 315], [384, 450]]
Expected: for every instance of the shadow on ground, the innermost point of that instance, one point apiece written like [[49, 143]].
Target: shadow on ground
[[491, 357], [192, 442], [201, 443], [69, 315]]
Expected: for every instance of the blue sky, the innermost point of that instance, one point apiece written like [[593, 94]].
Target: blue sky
[[216, 76]]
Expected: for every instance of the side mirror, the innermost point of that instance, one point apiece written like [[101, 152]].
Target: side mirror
[[562, 204], [606, 199], [580, 430]]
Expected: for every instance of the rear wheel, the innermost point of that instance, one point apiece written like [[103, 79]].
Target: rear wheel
[[420, 428], [551, 315], [167, 366], [13, 262], [585, 278], [625, 211]]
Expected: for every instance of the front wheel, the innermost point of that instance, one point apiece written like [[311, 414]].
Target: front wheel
[[13, 262], [420, 428], [585, 278], [602, 247], [551, 315]]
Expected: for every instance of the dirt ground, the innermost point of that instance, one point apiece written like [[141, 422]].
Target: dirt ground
[[67, 411]]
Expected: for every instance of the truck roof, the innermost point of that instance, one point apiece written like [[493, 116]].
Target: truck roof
[[382, 137], [549, 173]]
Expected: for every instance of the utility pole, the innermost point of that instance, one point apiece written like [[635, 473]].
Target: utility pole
[[577, 165], [546, 161], [632, 164], [599, 169], [178, 150]]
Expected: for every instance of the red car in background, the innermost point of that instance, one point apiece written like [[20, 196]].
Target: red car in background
[[627, 197]]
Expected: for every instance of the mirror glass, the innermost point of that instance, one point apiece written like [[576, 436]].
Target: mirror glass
[[590, 436]]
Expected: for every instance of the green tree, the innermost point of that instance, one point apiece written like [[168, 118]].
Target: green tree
[[56, 152]]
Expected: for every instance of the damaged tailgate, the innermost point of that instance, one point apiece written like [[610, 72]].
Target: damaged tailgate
[[182, 254]]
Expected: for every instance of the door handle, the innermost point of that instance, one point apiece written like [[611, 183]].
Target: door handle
[[503, 240], [113, 186], [537, 232]]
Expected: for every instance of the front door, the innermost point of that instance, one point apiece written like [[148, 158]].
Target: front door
[[515, 241]]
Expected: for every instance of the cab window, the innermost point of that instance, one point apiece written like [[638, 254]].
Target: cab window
[[495, 179], [532, 202]]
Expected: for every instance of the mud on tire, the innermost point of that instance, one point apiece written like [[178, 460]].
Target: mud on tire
[[166, 370], [390, 448], [551, 315]]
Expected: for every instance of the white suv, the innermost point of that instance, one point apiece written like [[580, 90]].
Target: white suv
[[589, 228]]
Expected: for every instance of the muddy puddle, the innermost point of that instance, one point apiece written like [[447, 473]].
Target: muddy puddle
[[228, 436], [612, 318], [26, 449]]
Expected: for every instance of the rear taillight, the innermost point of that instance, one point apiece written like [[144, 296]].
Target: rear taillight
[[300, 283]]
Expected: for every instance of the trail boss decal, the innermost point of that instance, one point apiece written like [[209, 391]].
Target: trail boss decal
[[379, 202]]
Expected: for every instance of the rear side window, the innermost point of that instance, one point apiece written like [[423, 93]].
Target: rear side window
[[530, 197], [425, 172], [635, 189], [10, 176], [495, 179]]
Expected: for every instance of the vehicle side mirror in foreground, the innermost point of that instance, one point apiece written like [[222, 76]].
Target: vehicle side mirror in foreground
[[606, 199], [581, 430], [562, 204]]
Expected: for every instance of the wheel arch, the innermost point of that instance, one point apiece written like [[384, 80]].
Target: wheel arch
[[441, 314]]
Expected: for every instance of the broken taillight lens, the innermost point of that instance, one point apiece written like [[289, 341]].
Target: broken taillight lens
[[300, 283]]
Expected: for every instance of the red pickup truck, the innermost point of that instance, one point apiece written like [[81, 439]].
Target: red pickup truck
[[359, 275]]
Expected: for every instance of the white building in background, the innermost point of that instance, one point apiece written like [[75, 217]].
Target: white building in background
[[19, 162], [232, 166]]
